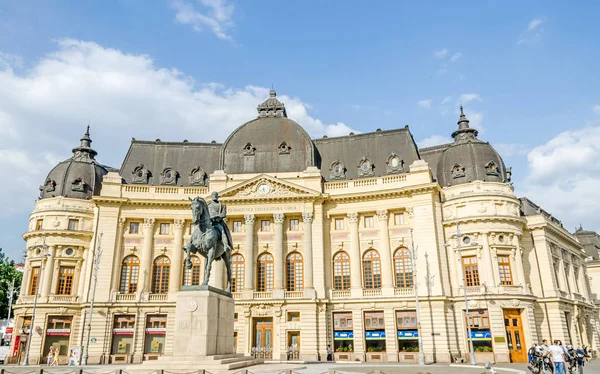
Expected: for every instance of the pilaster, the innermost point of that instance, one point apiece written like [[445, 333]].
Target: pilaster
[[307, 219], [387, 277], [118, 256], [177, 253], [355, 258], [146, 270], [249, 257], [48, 271], [278, 257]]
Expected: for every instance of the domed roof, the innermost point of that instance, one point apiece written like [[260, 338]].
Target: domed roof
[[270, 143], [79, 177], [469, 159]]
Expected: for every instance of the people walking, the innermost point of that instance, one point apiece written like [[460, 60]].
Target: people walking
[[50, 356], [55, 357], [329, 353], [558, 357]]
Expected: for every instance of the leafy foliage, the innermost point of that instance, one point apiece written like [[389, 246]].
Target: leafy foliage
[[8, 272]]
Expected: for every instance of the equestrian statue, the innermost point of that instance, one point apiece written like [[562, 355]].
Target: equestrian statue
[[212, 238]]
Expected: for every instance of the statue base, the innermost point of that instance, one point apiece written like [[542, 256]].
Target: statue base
[[203, 335]]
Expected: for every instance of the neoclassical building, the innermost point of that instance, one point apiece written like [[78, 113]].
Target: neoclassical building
[[332, 237]]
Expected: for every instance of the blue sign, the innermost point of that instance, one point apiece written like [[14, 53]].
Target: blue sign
[[408, 334], [343, 335], [481, 335], [375, 335]]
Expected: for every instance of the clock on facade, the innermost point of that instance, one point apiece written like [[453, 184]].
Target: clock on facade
[[263, 188]]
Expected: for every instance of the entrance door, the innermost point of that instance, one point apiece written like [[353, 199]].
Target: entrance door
[[514, 335], [263, 333]]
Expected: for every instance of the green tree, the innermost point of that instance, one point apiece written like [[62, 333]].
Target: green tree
[[7, 274]]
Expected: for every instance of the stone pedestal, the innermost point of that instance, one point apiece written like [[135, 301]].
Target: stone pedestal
[[203, 322]]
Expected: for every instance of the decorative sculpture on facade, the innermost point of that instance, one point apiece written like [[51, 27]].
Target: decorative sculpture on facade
[[212, 239]]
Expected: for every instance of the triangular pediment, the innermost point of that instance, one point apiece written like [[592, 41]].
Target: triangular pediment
[[264, 186]]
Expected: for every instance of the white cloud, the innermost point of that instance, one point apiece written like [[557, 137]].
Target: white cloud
[[440, 53], [455, 57], [216, 16], [511, 149], [596, 109], [44, 112], [475, 120], [534, 23], [446, 100], [426, 104], [465, 98], [434, 140], [564, 176]]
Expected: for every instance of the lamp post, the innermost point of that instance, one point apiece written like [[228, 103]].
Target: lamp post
[[37, 290], [469, 338], [11, 291], [415, 284], [96, 259]]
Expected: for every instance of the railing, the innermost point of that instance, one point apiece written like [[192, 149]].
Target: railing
[[294, 294], [63, 298], [158, 297], [474, 289], [365, 182], [404, 291], [340, 294], [236, 295], [173, 192], [372, 292], [262, 352], [125, 297], [263, 295]]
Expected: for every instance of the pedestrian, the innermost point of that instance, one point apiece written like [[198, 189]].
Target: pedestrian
[[55, 357], [50, 356], [329, 353], [531, 353], [558, 357]]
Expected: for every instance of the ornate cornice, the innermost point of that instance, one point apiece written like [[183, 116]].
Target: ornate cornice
[[59, 233], [495, 218], [429, 188]]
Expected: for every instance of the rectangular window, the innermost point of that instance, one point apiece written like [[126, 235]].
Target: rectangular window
[[65, 280], [479, 319], [293, 316], [567, 272], [265, 225], [134, 227], [556, 266], [156, 330], [406, 320], [339, 223], [399, 219], [164, 229], [342, 321], [35, 278], [39, 224], [122, 339], [294, 225], [471, 271], [374, 321], [73, 224], [576, 275], [369, 222], [505, 270], [58, 331], [237, 226]]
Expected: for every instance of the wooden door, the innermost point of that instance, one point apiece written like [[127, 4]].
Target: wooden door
[[263, 333], [514, 335]]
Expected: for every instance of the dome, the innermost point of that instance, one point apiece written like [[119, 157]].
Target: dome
[[469, 159], [79, 177], [270, 143]]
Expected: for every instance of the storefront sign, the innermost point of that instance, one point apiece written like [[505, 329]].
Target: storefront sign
[[375, 335], [123, 331], [8, 331], [156, 331], [58, 332], [481, 335], [15, 351], [408, 334], [343, 335]]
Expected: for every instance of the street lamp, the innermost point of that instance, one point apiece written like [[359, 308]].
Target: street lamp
[[472, 352], [96, 259], [37, 289], [415, 284]]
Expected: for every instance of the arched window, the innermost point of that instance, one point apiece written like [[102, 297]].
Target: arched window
[[191, 277], [160, 275], [403, 268], [265, 273], [130, 271], [372, 269], [294, 272], [341, 271], [237, 273]]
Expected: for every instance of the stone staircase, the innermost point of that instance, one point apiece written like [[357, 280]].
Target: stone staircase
[[185, 363]]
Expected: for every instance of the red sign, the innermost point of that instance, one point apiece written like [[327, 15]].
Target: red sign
[[9, 330], [58, 332], [123, 331], [156, 331], [16, 346]]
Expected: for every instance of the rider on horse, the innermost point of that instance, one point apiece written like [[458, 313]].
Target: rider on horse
[[218, 211]]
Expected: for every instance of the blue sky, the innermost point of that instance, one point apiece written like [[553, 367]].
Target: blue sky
[[526, 73]]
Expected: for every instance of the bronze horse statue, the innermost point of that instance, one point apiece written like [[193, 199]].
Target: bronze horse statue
[[206, 240]]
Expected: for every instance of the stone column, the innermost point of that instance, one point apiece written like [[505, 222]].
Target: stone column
[[116, 270], [26, 282], [48, 271], [307, 219], [487, 271], [387, 275], [355, 259], [519, 266], [82, 274], [176, 260], [278, 256], [249, 257], [146, 270]]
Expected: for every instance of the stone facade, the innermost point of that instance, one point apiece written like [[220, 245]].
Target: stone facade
[[318, 261]]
